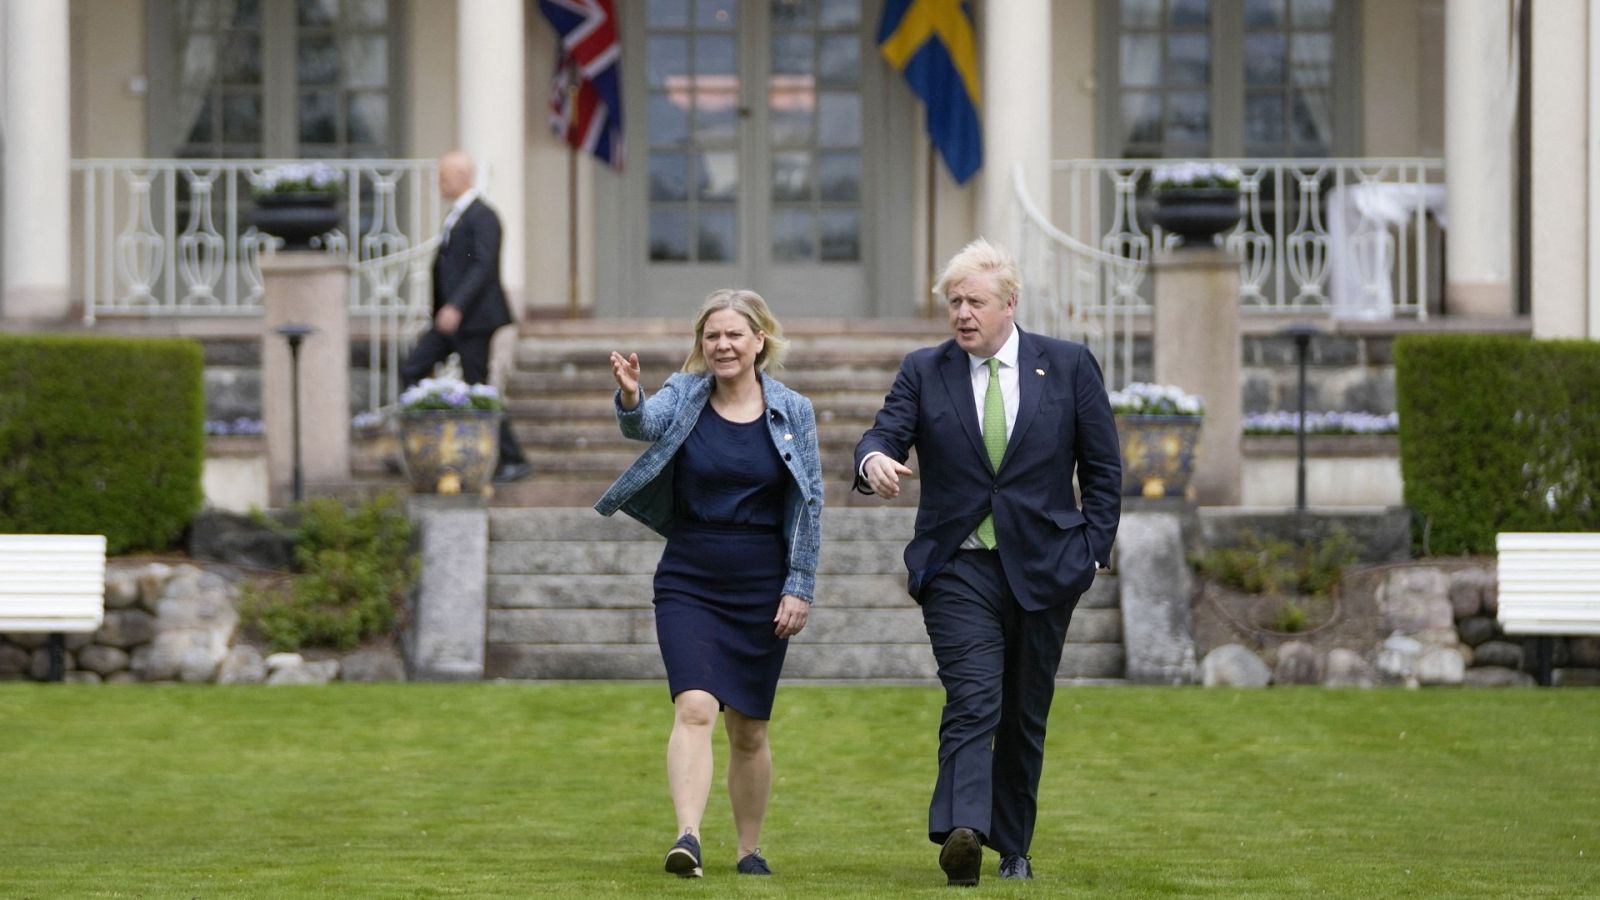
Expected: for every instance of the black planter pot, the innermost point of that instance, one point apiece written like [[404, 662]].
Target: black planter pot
[[297, 217], [1197, 214]]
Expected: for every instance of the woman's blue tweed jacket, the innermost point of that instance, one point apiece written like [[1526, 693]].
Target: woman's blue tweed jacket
[[645, 490]]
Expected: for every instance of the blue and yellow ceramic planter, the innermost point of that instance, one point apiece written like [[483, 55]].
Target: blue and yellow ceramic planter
[[1157, 454], [449, 451]]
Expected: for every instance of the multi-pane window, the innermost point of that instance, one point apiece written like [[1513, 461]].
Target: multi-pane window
[[220, 90], [1224, 77], [342, 72], [1288, 77], [814, 119], [254, 78], [692, 58]]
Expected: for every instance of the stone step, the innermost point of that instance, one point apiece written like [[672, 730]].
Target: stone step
[[567, 591], [588, 434], [581, 488], [910, 661], [584, 524], [827, 625], [857, 406], [640, 557]]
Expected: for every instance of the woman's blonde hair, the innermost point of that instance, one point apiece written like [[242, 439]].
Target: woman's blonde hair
[[754, 309], [979, 258]]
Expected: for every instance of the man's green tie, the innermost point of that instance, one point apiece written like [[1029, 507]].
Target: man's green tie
[[994, 440]]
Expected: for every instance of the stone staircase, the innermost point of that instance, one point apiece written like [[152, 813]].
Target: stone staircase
[[570, 590], [570, 598]]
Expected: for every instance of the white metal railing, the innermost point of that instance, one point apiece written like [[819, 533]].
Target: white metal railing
[[173, 236], [1348, 237], [399, 284], [1076, 291]]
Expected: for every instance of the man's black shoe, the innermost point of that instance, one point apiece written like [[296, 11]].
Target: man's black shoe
[[512, 472], [683, 860], [962, 857], [1016, 868]]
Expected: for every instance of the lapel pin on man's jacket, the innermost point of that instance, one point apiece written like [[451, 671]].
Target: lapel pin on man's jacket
[[1039, 372]]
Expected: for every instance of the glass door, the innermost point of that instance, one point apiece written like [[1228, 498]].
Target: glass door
[[747, 137]]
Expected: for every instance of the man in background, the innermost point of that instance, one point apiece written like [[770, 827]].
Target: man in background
[[469, 302]]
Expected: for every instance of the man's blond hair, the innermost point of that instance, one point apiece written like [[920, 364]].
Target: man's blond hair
[[981, 258]]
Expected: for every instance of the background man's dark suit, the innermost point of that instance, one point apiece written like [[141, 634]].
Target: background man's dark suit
[[466, 275], [998, 619]]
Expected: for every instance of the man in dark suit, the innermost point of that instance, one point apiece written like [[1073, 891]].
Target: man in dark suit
[[1000, 419], [469, 303]]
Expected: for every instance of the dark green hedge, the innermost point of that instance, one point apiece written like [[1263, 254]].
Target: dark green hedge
[[1498, 434], [101, 436]]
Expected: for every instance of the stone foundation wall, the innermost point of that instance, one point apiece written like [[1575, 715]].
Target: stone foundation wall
[[1433, 624], [180, 623]]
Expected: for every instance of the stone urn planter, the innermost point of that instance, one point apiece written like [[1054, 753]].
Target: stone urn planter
[[449, 451], [1197, 214], [299, 217], [1157, 454]]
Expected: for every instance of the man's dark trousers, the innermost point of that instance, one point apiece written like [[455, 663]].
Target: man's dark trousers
[[433, 348], [978, 631]]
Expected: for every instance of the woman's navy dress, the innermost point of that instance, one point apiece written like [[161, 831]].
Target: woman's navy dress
[[722, 573]]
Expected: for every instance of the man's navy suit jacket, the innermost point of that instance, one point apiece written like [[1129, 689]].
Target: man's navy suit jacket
[[466, 272], [1048, 546]]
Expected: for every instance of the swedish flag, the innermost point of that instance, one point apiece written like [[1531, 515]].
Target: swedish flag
[[932, 42]]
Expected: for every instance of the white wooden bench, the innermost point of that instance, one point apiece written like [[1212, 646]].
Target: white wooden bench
[[1549, 586], [52, 583]]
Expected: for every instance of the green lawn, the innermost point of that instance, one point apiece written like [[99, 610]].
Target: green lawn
[[558, 790]]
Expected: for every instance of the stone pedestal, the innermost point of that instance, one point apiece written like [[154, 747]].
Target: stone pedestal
[[1157, 627], [450, 621], [306, 288], [1196, 347]]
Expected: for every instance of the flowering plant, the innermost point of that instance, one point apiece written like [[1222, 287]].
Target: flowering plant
[[298, 178], [1145, 399], [1193, 174], [1322, 423], [450, 393]]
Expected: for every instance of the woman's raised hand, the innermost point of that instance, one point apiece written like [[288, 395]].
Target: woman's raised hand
[[626, 371]]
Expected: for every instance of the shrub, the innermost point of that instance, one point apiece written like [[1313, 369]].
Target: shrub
[[1497, 434], [101, 436], [355, 568], [1276, 566]]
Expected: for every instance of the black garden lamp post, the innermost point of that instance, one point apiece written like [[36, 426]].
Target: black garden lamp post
[[295, 334]]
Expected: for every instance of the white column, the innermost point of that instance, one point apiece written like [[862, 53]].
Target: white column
[[1479, 98], [1561, 217], [489, 82], [1015, 37], [37, 132]]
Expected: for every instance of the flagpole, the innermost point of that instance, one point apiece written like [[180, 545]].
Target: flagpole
[[572, 232], [933, 208]]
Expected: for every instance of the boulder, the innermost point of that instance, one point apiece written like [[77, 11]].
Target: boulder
[[1498, 653], [375, 664], [239, 540], [1440, 666], [1233, 665], [126, 628], [1467, 590], [1396, 660], [242, 665], [1475, 630], [1346, 668], [318, 672], [1415, 600], [1298, 663], [102, 660], [122, 588]]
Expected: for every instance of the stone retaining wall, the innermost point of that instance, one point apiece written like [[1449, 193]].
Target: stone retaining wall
[[1438, 628], [180, 623]]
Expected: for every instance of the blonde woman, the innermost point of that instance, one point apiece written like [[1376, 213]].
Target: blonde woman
[[733, 480]]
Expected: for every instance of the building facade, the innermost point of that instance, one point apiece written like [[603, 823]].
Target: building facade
[[768, 144]]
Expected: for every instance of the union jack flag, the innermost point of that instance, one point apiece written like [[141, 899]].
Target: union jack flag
[[586, 90]]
